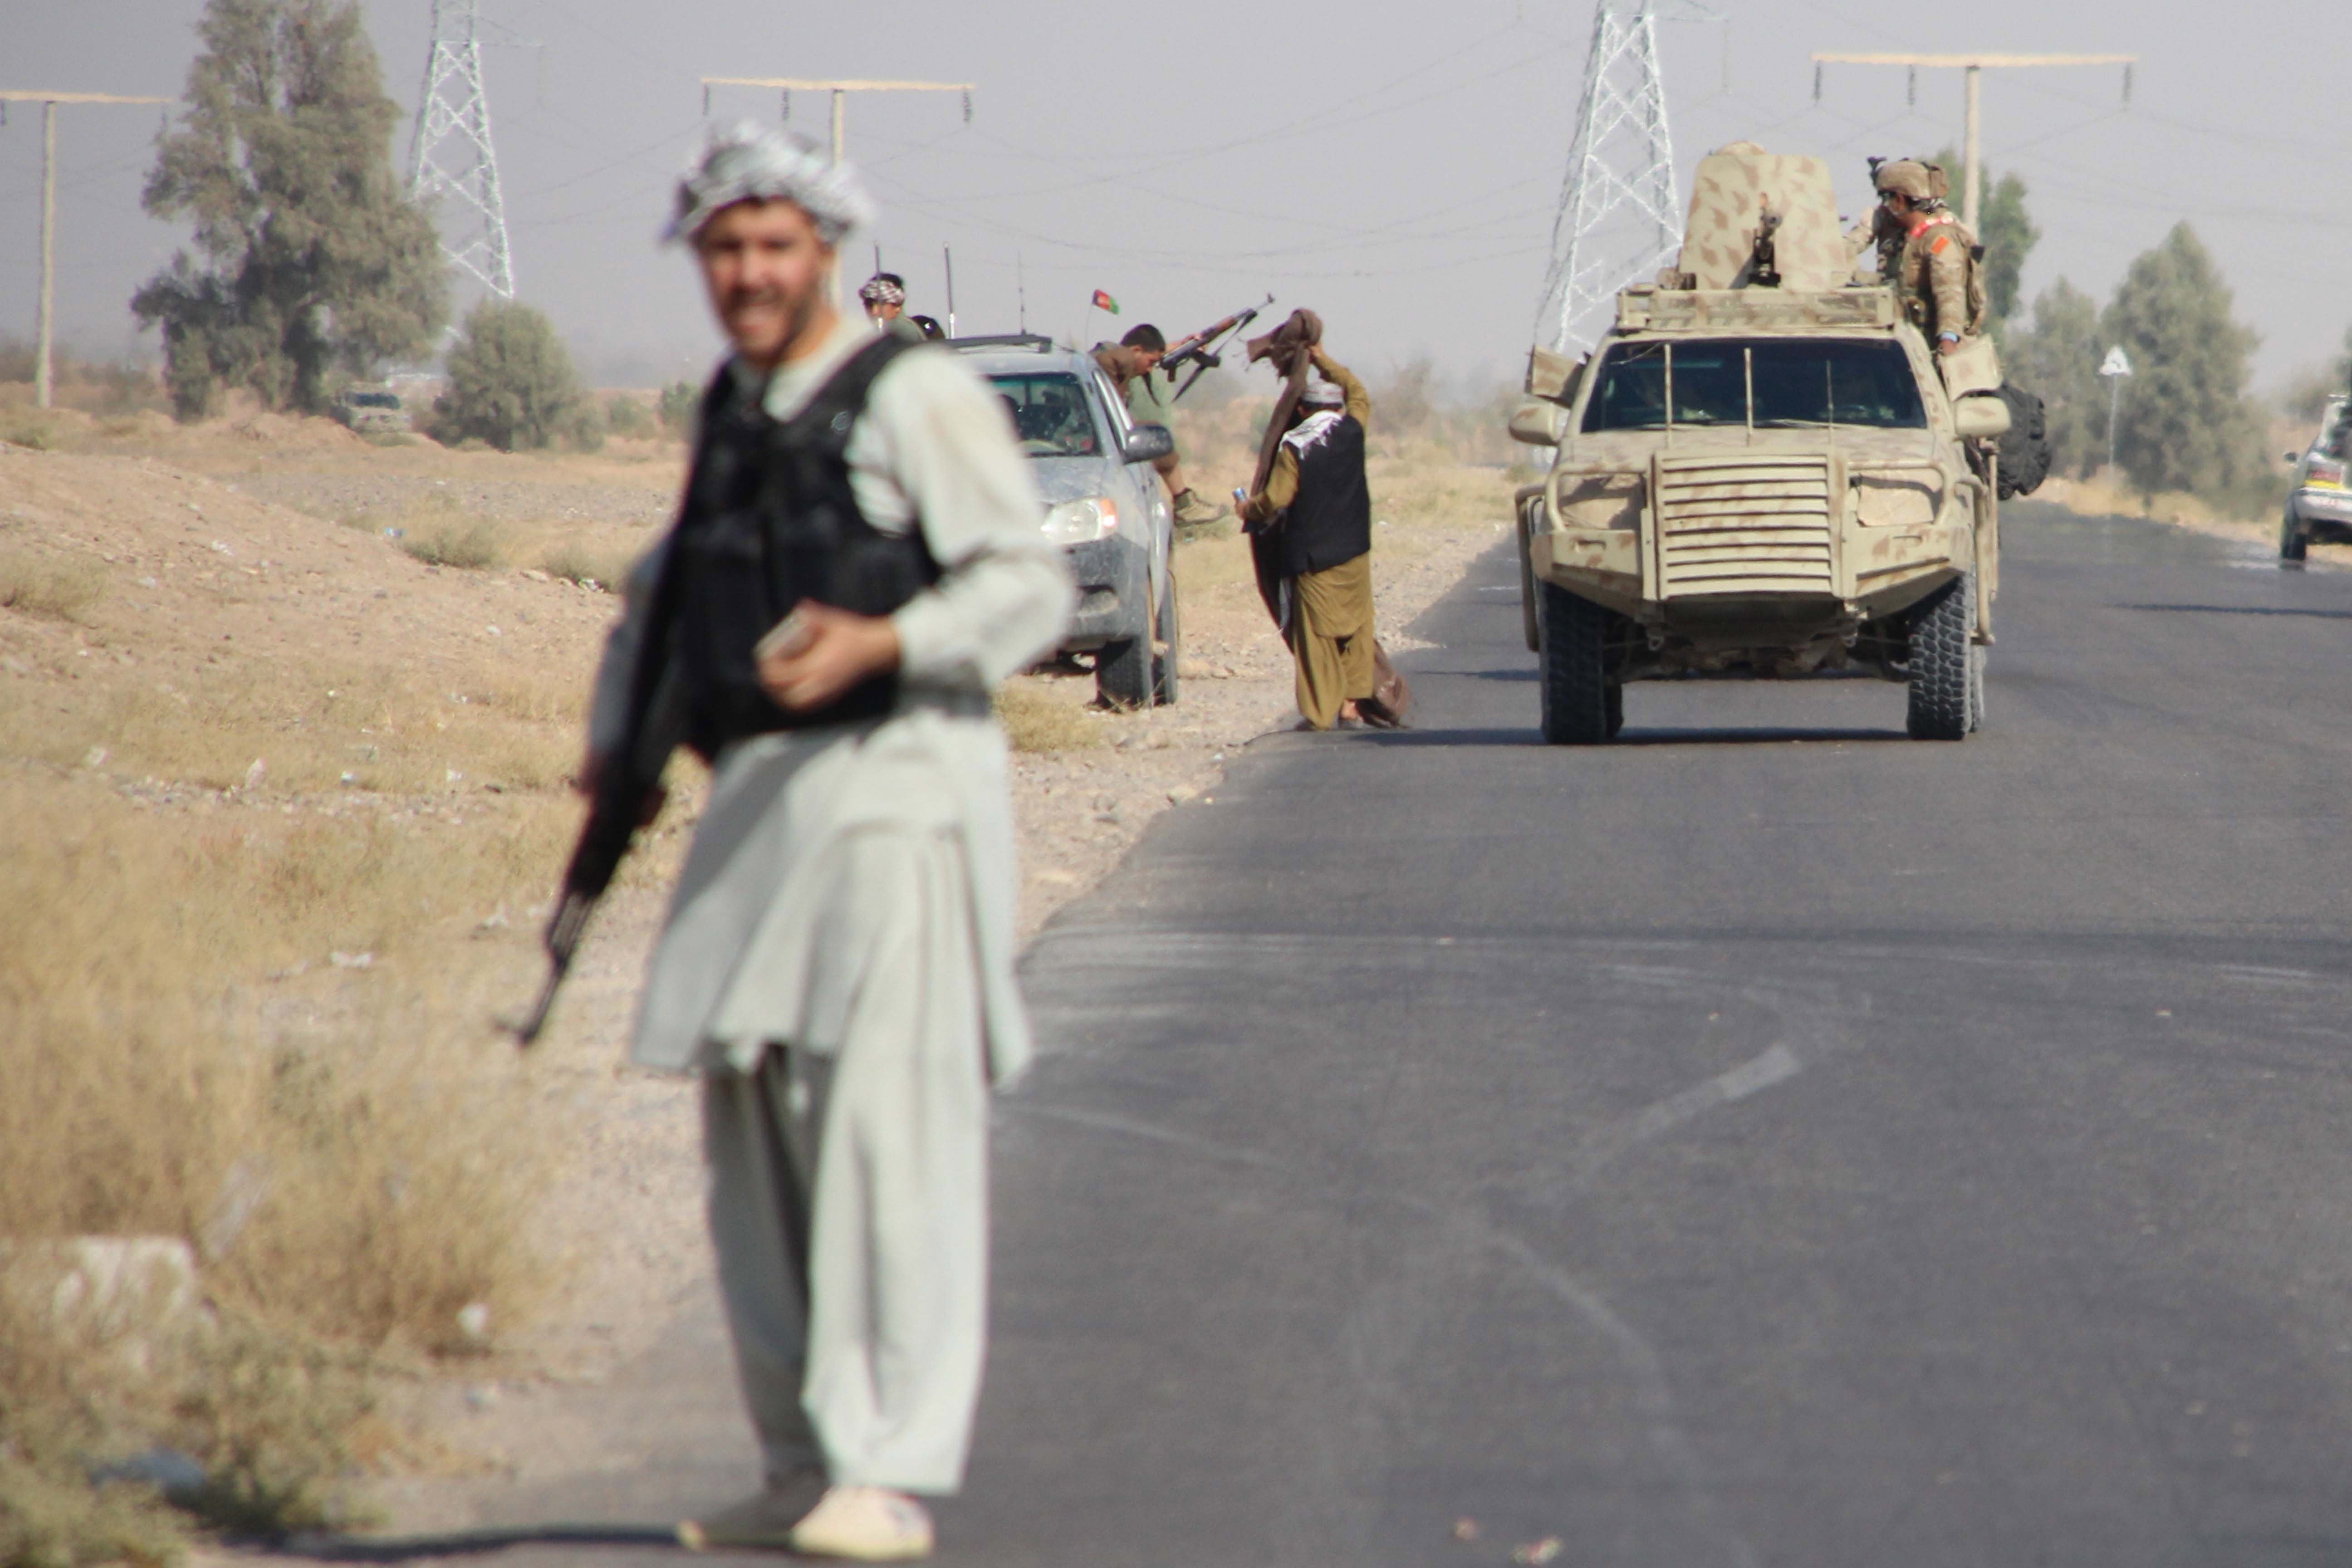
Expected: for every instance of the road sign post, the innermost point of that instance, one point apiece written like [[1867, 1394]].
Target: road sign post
[[2117, 366]]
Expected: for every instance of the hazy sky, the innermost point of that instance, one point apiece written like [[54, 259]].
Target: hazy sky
[[1396, 167]]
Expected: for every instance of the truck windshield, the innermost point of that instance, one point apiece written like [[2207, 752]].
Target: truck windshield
[[1795, 382], [1049, 414]]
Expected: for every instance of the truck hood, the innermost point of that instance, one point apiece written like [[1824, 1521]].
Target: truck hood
[[1068, 479]]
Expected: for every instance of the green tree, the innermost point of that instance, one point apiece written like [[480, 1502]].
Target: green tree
[[2307, 397], [512, 384], [2058, 357], [2005, 229], [310, 265], [2186, 423]]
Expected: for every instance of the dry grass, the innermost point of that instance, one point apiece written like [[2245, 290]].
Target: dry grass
[[580, 561], [471, 544], [342, 1143], [310, 727], [45, 585], [1038, 719]]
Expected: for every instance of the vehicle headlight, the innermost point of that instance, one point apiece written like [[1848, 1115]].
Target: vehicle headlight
[[1898, 498], [1082, 522]]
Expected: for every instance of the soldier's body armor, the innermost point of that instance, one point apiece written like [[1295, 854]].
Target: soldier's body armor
[[770, 520]]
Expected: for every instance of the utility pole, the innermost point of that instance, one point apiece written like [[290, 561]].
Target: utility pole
[[1619, 218], [1972, 181], [42, 386], [449, 152], [840, 91]]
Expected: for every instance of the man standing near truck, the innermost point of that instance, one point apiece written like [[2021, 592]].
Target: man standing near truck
[[1317, 506], [855, 565]]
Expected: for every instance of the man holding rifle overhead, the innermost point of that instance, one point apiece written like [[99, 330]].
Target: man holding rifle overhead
[[855, 565]]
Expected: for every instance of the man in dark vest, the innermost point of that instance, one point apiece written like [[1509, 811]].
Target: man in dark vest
[[1318, 508], [856, 564]]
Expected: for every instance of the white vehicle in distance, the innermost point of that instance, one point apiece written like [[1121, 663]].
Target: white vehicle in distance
[[2320, 505], [1105, 506]]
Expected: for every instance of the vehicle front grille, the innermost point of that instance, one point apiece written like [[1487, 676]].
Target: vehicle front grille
[[1745, 525]]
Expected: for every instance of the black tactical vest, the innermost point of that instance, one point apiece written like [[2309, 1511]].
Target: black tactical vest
[[1330, 523], [769, 520]]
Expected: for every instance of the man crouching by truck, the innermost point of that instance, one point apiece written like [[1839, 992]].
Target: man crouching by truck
[[855, 565]]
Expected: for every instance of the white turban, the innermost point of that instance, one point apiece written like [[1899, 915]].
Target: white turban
[[1321, 392], [746, 161]]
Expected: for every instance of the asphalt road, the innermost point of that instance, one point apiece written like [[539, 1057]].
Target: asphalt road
[[1767, 1140]]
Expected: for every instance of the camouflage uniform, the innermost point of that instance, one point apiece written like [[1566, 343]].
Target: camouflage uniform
[[1881, 232], [1937, 276]]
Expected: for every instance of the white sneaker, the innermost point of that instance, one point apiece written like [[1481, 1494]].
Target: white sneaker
[[865, 1524]]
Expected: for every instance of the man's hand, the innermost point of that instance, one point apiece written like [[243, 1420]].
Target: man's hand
[[1948, 345], [835, 651]]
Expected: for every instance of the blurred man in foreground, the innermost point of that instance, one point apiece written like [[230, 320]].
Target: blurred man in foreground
[[855, 565]]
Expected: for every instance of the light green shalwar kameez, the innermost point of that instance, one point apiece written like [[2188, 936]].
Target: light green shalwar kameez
[[838, 965]]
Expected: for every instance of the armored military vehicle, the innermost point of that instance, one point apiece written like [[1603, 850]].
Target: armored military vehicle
[[1762, 471]]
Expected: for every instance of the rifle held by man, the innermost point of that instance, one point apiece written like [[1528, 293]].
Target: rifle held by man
[[627, 795], [1201, 350]]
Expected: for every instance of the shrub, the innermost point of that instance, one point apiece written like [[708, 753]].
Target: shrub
[[512, 386], [624, 416], [60, 588], [577, 563], [471, 544], [679, 402]]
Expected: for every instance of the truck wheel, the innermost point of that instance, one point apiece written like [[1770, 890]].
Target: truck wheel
[[2294, 539], [1575, 693], [1163, 663], [1527, 588], [1123, 674], [1939, 661], [1616, 711]]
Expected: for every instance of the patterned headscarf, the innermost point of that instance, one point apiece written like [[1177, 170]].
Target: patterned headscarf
[[745, 162], [879, 289]]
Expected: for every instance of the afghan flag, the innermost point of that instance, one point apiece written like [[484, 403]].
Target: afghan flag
[[1105, 302]]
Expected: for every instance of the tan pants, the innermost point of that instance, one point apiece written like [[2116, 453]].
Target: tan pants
[[849, 1200], [1331, 637]]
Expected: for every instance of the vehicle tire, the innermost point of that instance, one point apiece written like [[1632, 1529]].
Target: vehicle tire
[[2025, 450], [1527, 586], [1940, 626], [1123, 674], [1977, 654], [1573, 685], [1163, 661], [2294, 540], [1616, 711]]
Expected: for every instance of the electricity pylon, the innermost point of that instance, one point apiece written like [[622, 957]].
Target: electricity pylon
[[451, 153], [1619, 218]]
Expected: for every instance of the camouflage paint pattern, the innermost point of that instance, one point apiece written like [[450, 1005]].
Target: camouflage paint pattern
[[1735, 190]]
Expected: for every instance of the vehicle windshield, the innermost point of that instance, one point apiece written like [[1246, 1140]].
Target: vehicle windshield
[[1795, 382], [1049, 414]]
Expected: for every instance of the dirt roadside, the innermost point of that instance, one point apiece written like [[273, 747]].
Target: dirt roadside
[[228, 626]]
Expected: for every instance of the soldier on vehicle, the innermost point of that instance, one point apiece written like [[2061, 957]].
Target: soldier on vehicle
[[1881, 232], [1133, 366], [1935, 273]]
